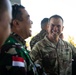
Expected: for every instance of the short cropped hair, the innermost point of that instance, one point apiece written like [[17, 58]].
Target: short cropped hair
[[4, 6], [56, 16], [16, 12], [44, 22]]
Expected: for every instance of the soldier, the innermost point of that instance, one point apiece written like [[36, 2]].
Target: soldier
[[15, 58], [5, 19], [52, 53], [42, 33]]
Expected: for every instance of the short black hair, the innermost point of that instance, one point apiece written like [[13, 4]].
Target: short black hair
[[16, 12], [4, 6], [56, 16], [44, 22]]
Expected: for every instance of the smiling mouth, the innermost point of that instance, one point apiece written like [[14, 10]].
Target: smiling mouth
[[30, 29], [55, 32]]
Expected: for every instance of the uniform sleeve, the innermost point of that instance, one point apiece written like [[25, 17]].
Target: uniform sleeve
[[14, 64], [73, 60], [35, 54], [73, 51]]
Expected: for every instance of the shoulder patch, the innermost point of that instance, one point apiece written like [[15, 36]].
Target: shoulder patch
[[18, 61]]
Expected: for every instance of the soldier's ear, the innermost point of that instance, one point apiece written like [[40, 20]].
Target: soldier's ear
[[62, 28], [15, 23]]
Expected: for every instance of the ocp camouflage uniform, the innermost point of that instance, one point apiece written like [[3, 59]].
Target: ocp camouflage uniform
[[37, 38], [56, 58], [14, 58]]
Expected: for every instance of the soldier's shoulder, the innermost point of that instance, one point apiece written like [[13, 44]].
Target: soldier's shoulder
[[9, 48], [67, 43], [10, 39], [35, 37], [40, 43]]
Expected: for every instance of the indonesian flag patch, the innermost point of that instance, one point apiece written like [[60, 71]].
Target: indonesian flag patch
[[18, 61]]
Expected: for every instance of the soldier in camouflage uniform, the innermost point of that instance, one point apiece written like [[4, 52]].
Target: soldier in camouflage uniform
[[42, 33], [53, 53], [14, 57]]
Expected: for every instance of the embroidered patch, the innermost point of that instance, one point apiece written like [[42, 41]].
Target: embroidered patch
[[18, 61]]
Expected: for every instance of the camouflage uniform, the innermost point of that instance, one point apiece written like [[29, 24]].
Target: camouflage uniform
[[56, 58], [16, 60], [37, 38]]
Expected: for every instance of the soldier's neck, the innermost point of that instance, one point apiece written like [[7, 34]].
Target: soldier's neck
[[18, 32], [53, 39]]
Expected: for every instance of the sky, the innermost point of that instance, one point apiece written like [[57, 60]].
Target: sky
[[39, 9]]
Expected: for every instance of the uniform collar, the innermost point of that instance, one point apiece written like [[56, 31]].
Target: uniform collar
[[50, 43], [18, 38], [43, 31]]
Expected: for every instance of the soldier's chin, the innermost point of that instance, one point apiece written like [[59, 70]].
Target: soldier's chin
[[55, 34], [30, 34]]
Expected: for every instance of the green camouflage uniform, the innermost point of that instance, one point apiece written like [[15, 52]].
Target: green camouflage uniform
[[16, 60], [37, 38], [56, 58]]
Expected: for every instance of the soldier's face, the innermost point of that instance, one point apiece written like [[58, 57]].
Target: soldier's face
[[25, 24], [55, 27], [5, 23]]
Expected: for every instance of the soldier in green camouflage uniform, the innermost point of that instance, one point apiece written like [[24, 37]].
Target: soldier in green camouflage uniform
[[53, 53], [42, 33], [14, 57]]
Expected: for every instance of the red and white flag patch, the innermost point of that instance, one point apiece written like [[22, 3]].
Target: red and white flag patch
[[18, 61]]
